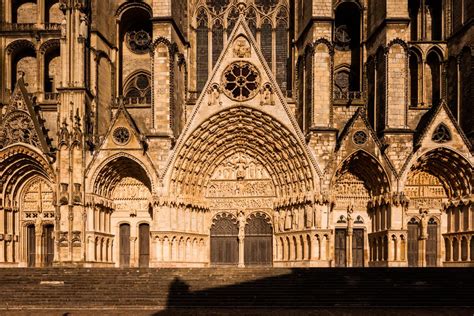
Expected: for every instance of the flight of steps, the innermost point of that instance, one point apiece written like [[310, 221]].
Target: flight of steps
[[249, 291]]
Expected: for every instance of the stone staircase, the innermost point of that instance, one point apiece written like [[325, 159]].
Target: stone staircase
[[234, 291]]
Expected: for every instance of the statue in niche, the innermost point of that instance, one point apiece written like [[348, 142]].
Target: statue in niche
[[241, 165], [63, 28], [242, 48], [83, 28], [241, 218], [308, 215], [214, 95], [294, 216], [281, 221], [288, 220], [276, 221], [266, 95]]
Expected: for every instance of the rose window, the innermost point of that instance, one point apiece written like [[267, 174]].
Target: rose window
[[138, 41], [359, 138], [121, 135], [241, 81]]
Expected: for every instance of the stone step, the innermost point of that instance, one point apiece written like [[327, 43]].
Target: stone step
[[273, 288]]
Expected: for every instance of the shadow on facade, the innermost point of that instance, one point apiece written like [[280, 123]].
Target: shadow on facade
[[349, 291]]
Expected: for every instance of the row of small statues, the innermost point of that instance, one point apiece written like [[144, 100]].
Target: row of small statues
[[294, 219]]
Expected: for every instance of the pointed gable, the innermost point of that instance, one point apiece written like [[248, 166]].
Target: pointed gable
[[440, 117], [21, 123], [123, 132], [358, 134], [233, 81], [242, 83]]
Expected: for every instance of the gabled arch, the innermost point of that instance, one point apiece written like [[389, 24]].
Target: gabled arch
[[114, 169], [18, 164], [367, 168], [453, 170]]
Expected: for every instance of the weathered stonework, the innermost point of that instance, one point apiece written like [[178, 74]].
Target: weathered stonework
[[236, 132]]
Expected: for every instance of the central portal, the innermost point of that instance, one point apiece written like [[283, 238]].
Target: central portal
[[241, 194]]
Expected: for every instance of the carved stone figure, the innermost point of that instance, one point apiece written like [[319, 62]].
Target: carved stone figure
[[242, 48], [266, 95], [214, 95]]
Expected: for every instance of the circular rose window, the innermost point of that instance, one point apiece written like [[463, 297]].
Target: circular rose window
[[241, 81], [121, 135], [138, 41]]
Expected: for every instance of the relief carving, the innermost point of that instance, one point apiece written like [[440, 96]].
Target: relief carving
[[214, 95], [242, 48]]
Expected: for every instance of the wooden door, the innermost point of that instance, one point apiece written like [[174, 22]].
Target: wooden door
[[258, 241], [413, 233], [31, 245], [48, 245], [124, 245], [224, 240], [144, 245], [358, 248], [340, 248], [432, 244]]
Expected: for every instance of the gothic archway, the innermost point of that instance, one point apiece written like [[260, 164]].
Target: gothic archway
[[122, 196], [28, 194]]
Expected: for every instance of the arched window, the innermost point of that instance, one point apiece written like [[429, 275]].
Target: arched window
[[135, 36], [415, 78], [433, 78], [455, 249], [266, 41], [308, 90], [23, 59], [251, 18], [202, 49], [414, 13], [138, 89], [25, 12], [52, 69], [447, 249], [53, 12], [464, 249], [466, 90], [282, 50], [217, 40], [347, 39], [434, 20], [232, 18]]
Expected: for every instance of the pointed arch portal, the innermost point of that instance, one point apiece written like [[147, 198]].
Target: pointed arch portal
[[242, 129]]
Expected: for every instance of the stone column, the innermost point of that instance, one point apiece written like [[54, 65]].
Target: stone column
[[241, 239], [133, 252]]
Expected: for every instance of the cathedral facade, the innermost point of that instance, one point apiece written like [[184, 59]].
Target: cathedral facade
[[197, 133]]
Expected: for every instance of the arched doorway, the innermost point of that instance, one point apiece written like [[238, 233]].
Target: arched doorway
[[224, 240], [124, 180], [144, 245], [124, 245], [413, 234], [258, 240]]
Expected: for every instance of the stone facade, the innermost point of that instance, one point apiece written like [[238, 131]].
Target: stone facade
[[309, 133]]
